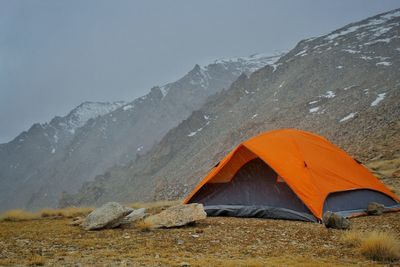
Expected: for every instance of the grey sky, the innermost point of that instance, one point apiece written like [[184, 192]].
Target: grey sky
[[56, 54]]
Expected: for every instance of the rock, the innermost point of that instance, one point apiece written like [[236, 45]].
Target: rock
[[334, 220], [133, 216], [375, 208], [177, 216], [107, 216]]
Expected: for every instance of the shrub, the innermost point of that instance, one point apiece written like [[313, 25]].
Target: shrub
[[144, 225], [21, 215], [68, 212], [352, 238], [380, 246], [36, 260]]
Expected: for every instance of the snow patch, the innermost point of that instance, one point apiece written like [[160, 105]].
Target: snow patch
[[198, 130], [140, 148], [348, 117], [312, 110], [339, 67], [349, 87], [164, 90], [86, 111], [384, 63], [351, 51], [343, 32], [385, 40], [127, 107], [254, 116], [55, 137], [328, 94], [366, 57], [378, 99], [302, 53], [252, 62], [313, 102], [372, 22]]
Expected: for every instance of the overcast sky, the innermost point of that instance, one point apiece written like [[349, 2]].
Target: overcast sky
[[56, 54]]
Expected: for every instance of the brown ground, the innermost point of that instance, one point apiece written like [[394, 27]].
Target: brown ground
[[215, 241], [212, 242]]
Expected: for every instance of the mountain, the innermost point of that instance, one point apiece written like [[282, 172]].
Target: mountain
[[344, 85], [38, 165], [23, 157]]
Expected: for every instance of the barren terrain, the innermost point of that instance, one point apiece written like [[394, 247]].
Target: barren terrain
[[215, 241]]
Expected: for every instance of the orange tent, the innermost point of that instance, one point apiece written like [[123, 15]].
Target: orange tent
[[302, 166]]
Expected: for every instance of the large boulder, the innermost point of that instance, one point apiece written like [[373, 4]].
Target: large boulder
[[176, 216], [132, 217], [107, 216], [336, 221], [375, 208]]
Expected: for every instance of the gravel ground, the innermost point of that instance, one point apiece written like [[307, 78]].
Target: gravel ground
[[213, 242]]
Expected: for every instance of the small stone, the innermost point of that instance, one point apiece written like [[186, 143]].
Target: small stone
[[134, 216], [180, 242], [336, 221], [184, 264], [76, 221], [375, 208]]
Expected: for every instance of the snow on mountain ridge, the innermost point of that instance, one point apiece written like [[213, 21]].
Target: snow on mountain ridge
[[252, 62], [88, 110], [249, 64], [371, 22]]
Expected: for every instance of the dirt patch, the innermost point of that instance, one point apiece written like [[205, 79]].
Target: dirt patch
[[214, 241]]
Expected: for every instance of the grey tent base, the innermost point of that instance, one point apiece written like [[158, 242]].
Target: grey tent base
[[258, 212], [363, 212]]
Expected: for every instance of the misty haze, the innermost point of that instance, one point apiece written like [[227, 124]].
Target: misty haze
[[199, 133]]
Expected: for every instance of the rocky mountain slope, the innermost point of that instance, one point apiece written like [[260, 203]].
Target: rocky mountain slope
[[344, 85], [32, 150], [59, 156]]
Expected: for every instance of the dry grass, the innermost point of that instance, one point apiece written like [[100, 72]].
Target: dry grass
[[18, 215], [388, 171], [385, 167], [144, 225], [22, 215], [216, 241], [352, 238], [36, 260], [380, 246], [68, 212]]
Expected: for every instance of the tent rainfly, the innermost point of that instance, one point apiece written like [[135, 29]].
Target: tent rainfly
[[290, 174]]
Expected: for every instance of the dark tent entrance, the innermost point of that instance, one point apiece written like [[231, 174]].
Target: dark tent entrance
[[256, 190]]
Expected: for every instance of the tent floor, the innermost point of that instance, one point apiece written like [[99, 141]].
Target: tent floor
[[278, 213], [258, 212]]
